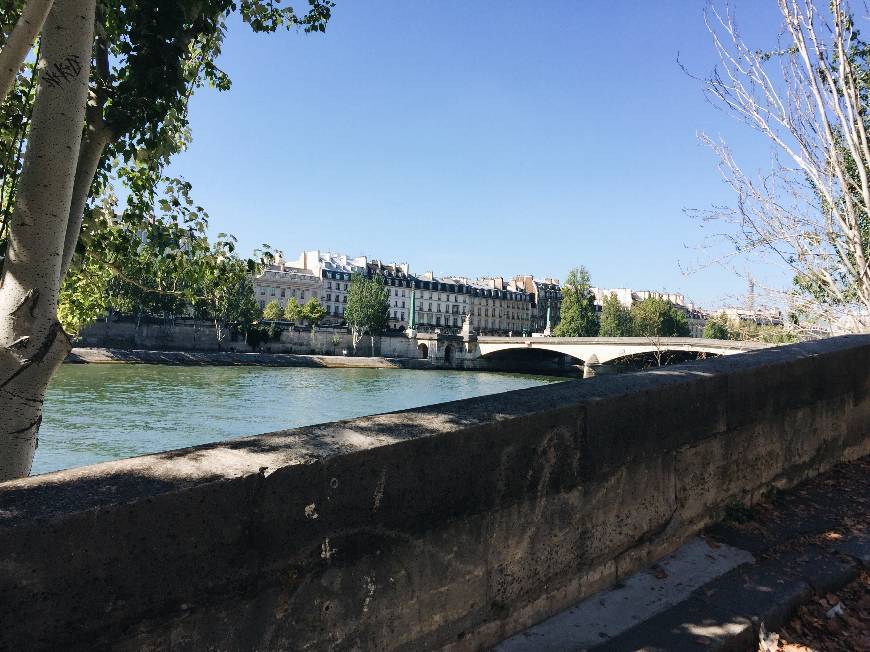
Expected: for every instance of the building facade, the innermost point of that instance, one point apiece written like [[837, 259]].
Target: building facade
[[282, 281], [545, 295], [491, 305], [324, 276]]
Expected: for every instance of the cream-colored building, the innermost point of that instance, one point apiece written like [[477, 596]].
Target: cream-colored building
[[322, 275], [282, 281], [493, 306], [490, 305]]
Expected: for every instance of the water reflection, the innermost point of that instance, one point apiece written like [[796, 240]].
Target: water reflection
[[95, 413]]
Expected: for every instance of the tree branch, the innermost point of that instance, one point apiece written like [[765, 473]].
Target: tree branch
[[20, 41], [97, 136]]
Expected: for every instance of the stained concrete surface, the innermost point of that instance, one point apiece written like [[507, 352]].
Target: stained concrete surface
[[604, 615]]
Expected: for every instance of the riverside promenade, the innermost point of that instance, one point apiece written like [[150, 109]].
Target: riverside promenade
[[451, 526]]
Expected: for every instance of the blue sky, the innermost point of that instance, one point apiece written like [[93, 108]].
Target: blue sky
[[487, 137]]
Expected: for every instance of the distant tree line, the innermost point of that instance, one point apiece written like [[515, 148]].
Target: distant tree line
[[719, 327], [367, 311], [311, 312], [651, 317]]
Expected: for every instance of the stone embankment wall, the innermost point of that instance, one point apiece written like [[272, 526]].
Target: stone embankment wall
[[449, 526], [189, 335], [232, 359]]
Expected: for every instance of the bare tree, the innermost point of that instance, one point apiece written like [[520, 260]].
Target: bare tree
[[810, 213]]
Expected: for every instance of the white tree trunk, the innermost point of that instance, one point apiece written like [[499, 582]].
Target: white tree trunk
[[95, 141], [20, 41], [32, 342]]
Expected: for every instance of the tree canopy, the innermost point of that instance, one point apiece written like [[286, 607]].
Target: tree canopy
[[368, 306], [292, 310], [615, 319], [313, 312], [716, 328], [273, 311], [808, 215], [105, 103], [577, 316], [654, 317]]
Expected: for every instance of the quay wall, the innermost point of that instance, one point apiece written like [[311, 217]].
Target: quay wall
[[199, 336], [450, 526]]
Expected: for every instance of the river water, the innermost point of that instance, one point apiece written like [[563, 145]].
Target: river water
[[95, 413]]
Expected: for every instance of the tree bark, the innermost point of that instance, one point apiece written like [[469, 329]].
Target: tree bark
[[32, 341], [97, 136], [20, 41], [94, 142]]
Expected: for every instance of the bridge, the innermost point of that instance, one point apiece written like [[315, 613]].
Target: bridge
[[601, 350]]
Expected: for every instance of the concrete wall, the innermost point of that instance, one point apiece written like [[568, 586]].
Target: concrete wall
[[449, 526]]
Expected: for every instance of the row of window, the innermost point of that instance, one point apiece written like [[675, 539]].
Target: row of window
[[337, 275], [339, 310], [283, 292], [338, 286]]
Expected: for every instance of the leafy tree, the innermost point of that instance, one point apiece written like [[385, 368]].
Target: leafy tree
[[83, 297], [293, 311], [228, 292], [577, 316], [148, 57], [272, 311], [368, 307], [716, 328], [615, 318], [654, 317], [145, 262], [313, 312], [273, 332], [750, 331]]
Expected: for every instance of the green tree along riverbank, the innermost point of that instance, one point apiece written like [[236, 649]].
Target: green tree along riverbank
[[368, 307], [652, 317], [105, 102], [578, 317]]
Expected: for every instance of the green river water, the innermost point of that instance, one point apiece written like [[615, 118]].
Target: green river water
[[95, 413]]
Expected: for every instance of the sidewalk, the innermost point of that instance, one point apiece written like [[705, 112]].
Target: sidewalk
[[746, 576]]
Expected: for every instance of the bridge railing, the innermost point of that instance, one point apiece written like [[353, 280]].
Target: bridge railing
[[699, 342]]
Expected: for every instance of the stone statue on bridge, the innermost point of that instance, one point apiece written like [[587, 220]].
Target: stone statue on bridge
[[466, 326]]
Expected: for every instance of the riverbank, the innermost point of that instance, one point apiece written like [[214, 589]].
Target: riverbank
[[202, 358]]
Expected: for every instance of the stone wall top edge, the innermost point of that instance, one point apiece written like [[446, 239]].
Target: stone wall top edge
[[136, 478]]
